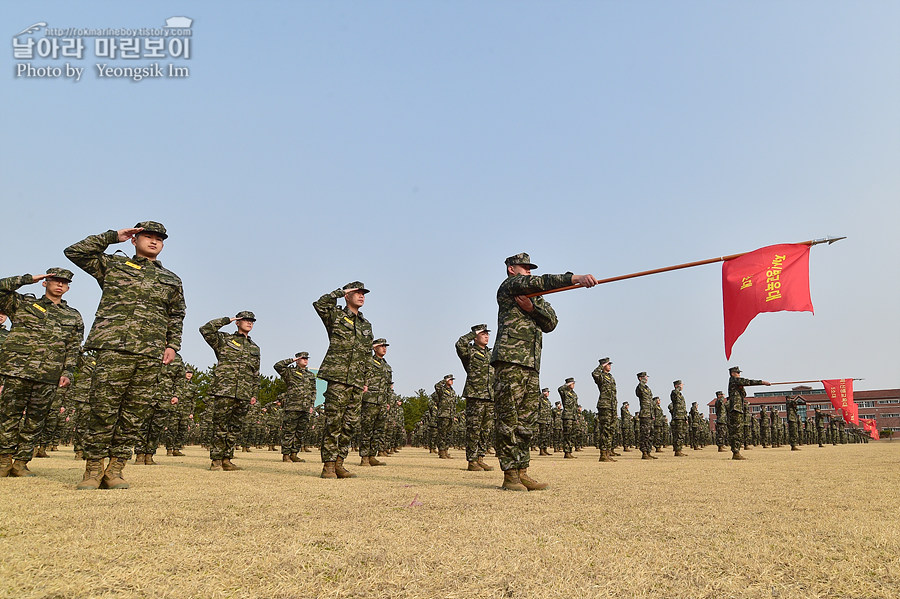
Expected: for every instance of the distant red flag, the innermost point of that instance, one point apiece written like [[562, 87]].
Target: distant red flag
[[870, 426], [770, 279], [851, 414]]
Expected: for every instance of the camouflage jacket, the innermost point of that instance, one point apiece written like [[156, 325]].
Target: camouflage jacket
[[607, 386], [520, 333], [736, 393], [187, 395], [379, 378], [625, 414], [645, 395], [45, 338], [792, 414], [556, 418], [301, 386], [170, 385], [142, 307], [3, 333], [477, 363], [236, 373], [569, 402], [544, 409], [349, 342], [721, 416], [695, 417], [444, 400], [81, 388], [679, 409]]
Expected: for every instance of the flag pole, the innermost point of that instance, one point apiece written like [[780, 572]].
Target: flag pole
[[829, 240], [812, 381]]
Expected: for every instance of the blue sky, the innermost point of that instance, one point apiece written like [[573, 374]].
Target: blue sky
[[415, 145]]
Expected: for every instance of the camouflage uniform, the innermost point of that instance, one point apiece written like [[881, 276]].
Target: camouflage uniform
[[544, 421], [235, 381], [793, 418], [736, 396], [140, 315], [161, 408], [570, 406], [764, 428], [660, 425], [298, 401], [445, 409], [820, 428], [607, 403], [678, 410], [375, 406], [478, 393], [180, 416], [556, 427], [344, 367], [627, 433], [41, 347], [645, 397], [721, 421]]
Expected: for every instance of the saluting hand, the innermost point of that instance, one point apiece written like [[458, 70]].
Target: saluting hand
[[126, 234], [37, 278]]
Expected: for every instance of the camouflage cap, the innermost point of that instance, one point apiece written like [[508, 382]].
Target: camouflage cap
[[381, 341], [718, 393], [302, 354], [449, 377], [521, 258], [545, 390], [676, 383], [480, 328], [60, 273], [642, 375], [358, 285], [151, 226], [245, 315], [570, 380], [605, 361], [736, 369]]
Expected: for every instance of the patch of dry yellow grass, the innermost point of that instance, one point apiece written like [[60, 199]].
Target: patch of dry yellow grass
[[814, 523]]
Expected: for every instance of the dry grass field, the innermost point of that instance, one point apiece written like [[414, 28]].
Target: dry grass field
[[814, 523]]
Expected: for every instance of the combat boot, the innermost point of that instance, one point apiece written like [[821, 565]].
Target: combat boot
[[432, 450], [20, 469], [679, 454], [41, 452], [543, 452], [341, 471], [306, 449], [484, 466], [605, 457], [511, 481], [169, 453], [625, 449], [382, 454], [721, 449], [216, 465], [112, 478], [285, 457], [328, 470], [474, 467], [568, 456], [441, 454], [376, 462], [364, 461], [295, 458], [820, 445], [178, 453], [659, 450], [148, 459], [794, 448], [272, 447], [93, 474], [736, 455], [530, 483], [245, 449], [612, 453], [227, 466], [79, 455], [646, 455], [139, 458], [6, 463]]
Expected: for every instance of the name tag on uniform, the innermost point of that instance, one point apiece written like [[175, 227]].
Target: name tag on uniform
[[348, 320], [235, 343], [133, 265], [39, 307]]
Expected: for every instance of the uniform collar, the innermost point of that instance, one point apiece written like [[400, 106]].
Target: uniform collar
[[142, 260]]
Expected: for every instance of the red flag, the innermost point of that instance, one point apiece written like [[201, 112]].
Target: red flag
[[871, 427], [851, 414], [770, 279], [840, 392]]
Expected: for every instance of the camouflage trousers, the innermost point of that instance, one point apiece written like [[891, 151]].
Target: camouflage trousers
[[735, 430], [176, 429], [793, 435], [820, 435], [53, 425], [627, 435], [764, 435], [23, 410], [606, 428], [228, 414], [543, 435], [516, 402], [568, 435], [78, 414], [152, 430], [293, 430], [444, 432], [479, 422], [678, 426], [342, 405], [123, 389], [721, 432], [646, 434], [372, 419], [431, 435]]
